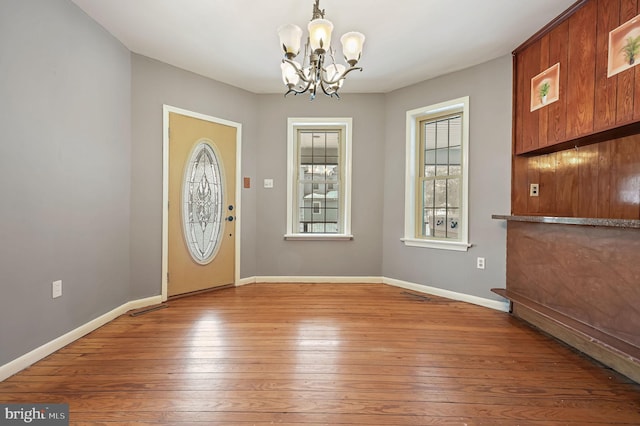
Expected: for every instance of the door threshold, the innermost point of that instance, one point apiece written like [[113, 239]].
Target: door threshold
[[197, 292]]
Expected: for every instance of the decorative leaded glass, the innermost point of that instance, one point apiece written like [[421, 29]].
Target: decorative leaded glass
[[202, 203], [441, 177], [319, 181]]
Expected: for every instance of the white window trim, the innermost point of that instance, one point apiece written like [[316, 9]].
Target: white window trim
[[412, 144], [293, 124]]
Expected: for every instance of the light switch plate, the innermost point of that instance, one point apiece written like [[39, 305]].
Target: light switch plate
[[268, 183], [56, 289]]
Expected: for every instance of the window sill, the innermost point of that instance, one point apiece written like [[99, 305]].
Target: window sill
[[435, 244], [318, 237]]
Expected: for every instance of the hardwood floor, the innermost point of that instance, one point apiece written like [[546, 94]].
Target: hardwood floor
[[330, 354]]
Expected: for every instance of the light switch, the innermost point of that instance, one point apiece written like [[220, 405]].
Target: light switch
[[268, 183], [56, 289]]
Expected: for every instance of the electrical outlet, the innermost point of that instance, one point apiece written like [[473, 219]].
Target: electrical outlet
[[534, 190], [268, 183], [480, 263], [56, 289]]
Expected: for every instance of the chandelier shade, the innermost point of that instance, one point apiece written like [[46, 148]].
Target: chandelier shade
[[320, 35], [289, 74], [352, 43], [290, 36], [319, 70]]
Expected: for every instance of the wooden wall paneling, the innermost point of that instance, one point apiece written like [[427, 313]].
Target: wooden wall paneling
[[626, 86], [581, 69], [533, 176], [519, 183], [604, 179], [530, 119], [625, 178], [543, 113], [606, 88], [627, 78], [518, 103], [636, 99], [567, 183], [600, 180], [547, 167], [557, 111], [636, 88], [588, 181]]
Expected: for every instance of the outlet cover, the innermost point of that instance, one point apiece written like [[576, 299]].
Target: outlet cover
[[480, 263], [56, 289], [534, 190]]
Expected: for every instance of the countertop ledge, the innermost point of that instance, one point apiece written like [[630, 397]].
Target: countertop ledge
[[616, 223]]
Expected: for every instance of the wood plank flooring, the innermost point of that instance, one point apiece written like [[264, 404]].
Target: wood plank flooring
[[326, 354]]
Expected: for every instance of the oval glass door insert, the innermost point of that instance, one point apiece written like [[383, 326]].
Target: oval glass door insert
[[202, 203]]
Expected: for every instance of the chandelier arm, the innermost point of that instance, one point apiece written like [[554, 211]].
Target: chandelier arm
[[347, 71], [330, 92], [342, 76], [298, 70], [300, 90]]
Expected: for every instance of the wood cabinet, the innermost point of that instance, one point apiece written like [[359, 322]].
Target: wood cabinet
[[592, 107]]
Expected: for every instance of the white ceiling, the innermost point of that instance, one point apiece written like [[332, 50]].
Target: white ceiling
[[407, 41]]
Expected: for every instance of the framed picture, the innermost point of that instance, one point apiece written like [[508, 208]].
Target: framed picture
[[624, 47], [545, 87]]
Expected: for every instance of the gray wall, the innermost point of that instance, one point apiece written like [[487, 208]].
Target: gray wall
[[360, 257], [154, 84], [64, 172], [489, 89]]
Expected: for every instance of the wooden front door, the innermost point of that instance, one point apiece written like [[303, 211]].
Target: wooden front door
[[201, 211]]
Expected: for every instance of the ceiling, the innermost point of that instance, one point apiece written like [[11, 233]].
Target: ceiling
[[407, 41]]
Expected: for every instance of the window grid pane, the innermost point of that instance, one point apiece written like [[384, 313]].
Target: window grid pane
[[441, 177], [319, 181]]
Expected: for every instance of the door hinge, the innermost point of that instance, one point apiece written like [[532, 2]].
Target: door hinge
[[167, 277]]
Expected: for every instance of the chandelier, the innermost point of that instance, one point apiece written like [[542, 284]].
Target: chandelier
[[319, 69]]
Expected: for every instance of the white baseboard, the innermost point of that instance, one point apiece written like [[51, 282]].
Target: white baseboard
[[318, 279], [245, 281], [47, 349], [462, 297]]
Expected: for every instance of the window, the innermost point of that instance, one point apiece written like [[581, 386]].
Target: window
[[317, 207], [319, 179], [436, 193]]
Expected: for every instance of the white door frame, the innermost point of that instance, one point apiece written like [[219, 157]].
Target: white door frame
[[166, 109]]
